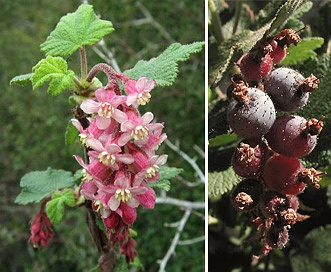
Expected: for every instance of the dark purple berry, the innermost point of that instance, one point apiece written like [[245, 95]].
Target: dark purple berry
[[249, 158], [294, 136], [247, 194], [251, 112], [288, 89]]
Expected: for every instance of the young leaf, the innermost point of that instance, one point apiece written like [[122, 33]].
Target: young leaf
[[75, 30], [221, 182], [164, 68], [55, 207], [37, 185], [71, 134], [166, 174], [303, 51], [22, 80], [55, 70]]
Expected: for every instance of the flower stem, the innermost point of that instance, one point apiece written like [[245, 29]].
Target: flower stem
[[108, 70], [83, 62]]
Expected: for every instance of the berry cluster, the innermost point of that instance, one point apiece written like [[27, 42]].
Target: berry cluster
[[268, 157], [120, 159]]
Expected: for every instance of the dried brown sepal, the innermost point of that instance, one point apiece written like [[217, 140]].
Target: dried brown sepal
[[289, 216], [310, 175], [288, 36], [243, 201], [240, 91], [247, 153], [314, 126], [310, 84]]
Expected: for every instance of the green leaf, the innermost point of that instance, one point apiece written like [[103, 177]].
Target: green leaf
[[55, 70], [22, 80], [319, 104], [164, 68], [76, 30], [37, 185], [303, 51], [312, 255], [55, 207], [285, 12], [221, 182], [166, 174], [71, 133]]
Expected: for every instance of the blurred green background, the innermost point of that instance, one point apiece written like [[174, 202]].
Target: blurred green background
[[32, 127]]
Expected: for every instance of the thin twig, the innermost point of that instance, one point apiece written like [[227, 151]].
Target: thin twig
[[188, 159], [180, 203], [171, 250], [110, 56], [192, 241], [154, 23]]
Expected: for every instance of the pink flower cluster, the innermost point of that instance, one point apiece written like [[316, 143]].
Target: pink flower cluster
[[40, 227], [121, 157]]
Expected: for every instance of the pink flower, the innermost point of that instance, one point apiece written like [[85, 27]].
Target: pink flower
[[89, 133], [95, 170], [139, 91], [106, 107], [148, 167], [137, 128], [108, 154], [123, 192]]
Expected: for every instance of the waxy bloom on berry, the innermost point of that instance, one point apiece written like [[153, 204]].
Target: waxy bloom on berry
[[139, 91], [106, 107]]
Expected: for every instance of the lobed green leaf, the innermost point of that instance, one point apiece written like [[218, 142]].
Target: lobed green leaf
[[221, 182], [76, 30], [55, 70], [37, 185], [303, 51], [22, 80], [55, 207], [164, 68], [166, 174]]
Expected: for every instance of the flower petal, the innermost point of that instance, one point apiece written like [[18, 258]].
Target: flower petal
[[89, 106], [113, 203]]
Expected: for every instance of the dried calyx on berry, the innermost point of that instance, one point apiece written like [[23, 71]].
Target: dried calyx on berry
[[246, 195], [281, 42], [249, 158]]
